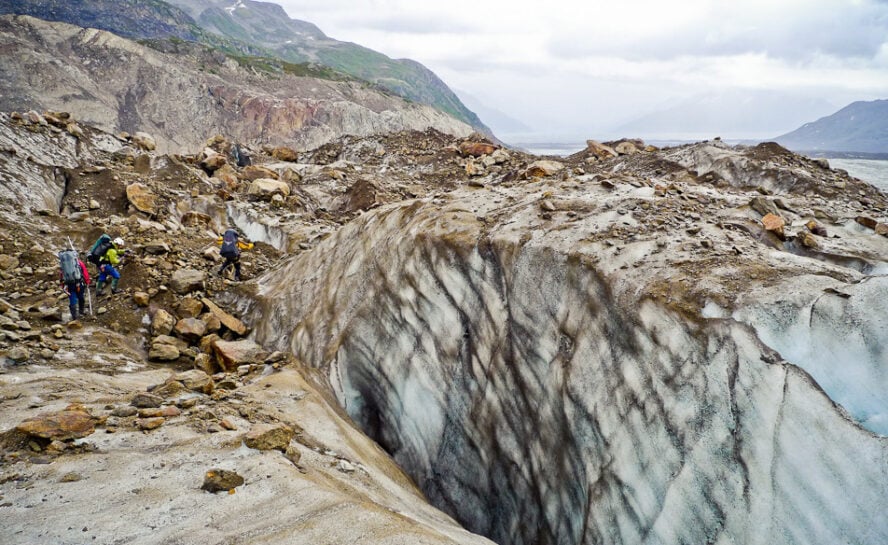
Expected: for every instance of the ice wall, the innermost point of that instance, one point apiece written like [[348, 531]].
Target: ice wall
[[537, 404]]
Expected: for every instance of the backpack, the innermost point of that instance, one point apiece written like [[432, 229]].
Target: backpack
[[68, 262], [99, 249], [229, 244]]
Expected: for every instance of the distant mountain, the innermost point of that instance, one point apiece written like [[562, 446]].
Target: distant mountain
[[859, 127], [500, 122], [733, 115], [255, 29]]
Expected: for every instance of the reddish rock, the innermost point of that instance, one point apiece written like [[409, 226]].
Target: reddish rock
[[362, 195], [73, 422], [867, 222], [476, 149], [774, 224]]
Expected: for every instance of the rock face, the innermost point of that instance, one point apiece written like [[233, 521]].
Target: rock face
[[621, 380], [43, 66]]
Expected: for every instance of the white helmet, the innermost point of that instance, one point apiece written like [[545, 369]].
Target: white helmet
[[118, 241]]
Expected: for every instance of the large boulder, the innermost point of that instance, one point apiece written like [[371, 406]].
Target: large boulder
[[232, 354], [255, 172], [141, 197], [266, 187], [190, 329], [600, 150], [542, 168], [73, 422], [284, 153], [162, 323], [229, 321], [185, 281]]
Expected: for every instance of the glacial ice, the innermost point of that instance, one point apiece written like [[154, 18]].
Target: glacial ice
[[539, 401]]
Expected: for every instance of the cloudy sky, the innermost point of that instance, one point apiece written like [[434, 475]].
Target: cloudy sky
[[569, 69]]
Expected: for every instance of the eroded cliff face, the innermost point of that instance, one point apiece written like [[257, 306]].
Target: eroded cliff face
[[611, 357], [120, 85]]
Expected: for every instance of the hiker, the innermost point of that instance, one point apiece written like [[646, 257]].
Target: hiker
[[74, 279], [231, 247], [112, 257]]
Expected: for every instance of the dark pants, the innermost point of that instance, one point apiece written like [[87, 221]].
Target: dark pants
[[232, 260]]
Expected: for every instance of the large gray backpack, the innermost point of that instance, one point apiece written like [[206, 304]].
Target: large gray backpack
[[68, 262]]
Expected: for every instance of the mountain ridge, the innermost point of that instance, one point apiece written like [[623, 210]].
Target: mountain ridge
[[860, 127], [256, 29]]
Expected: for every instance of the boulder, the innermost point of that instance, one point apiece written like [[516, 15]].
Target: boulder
[[185, 281], [229, 321], [8, 262], [362, 195], [221, 480], [266, 187], [255, 172], [196, 380], [212, 321], [866, 221], [231, 354], [142, 198], [269, 437], [162, 323], [774, 224], [141, 299], [626, 148], [156, 247], [146, 424], [538, 169], [764, 206], [189, 307], [816, 228], [284, 153], [73, 422], [882, 229], [227, 175], [600, 150], [163, 352], [476, 149], [18, 354], [190, 329], [203, 362], [145, 400], [213, 162], [144, 141]]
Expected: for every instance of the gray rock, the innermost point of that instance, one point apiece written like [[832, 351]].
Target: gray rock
[[185, 281]]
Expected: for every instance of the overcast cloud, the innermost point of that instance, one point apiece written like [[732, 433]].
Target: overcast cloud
[[569, 68]]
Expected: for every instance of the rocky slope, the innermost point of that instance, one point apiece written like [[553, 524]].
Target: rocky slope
[[630, 345], [188, 92], [856, 128], [154, 420], [251, 28]]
